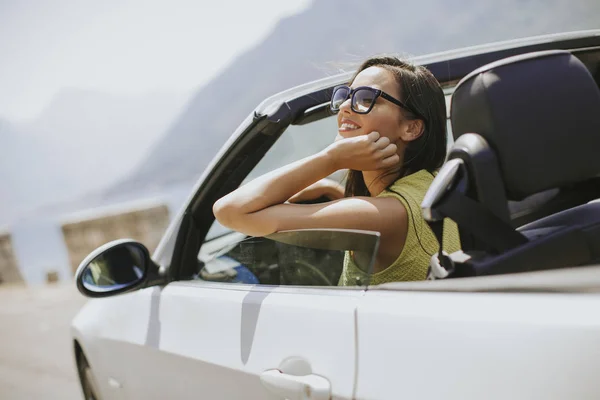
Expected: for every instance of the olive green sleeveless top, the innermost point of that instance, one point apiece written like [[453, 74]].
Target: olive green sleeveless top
[[420, 244]]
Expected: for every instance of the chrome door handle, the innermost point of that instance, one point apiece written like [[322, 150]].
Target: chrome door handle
[[292, 387]]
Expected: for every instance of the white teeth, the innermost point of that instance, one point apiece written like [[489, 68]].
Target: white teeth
[[349, 126]]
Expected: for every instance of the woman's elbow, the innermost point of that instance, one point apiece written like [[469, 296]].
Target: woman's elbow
[[224, 212], [231, 217]]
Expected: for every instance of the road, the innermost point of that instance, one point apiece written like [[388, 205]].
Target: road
[[36, 357]]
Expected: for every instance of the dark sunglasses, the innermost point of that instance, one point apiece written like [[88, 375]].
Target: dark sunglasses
[[363, 99]]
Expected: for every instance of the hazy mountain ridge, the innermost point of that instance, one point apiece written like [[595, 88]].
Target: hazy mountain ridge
[[83, 141]]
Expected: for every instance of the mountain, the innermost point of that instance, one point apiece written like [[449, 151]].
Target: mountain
[[82, 141], [329, 36]]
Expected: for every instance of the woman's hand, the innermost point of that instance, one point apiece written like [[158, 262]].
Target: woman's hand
[[363, 153], [323, 188]]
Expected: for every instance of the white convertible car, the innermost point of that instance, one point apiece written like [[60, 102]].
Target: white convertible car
[[214, 314]]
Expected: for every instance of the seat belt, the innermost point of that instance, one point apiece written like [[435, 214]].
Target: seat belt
[[473, 217]]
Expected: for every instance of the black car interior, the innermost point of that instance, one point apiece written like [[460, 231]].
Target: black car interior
[[524, 126]]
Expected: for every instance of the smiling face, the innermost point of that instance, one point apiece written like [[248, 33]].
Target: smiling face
[[385, 117]]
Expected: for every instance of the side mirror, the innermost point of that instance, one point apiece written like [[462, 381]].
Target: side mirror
[[116, 267]]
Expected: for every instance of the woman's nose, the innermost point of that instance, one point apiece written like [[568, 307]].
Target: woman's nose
[[346, 105]]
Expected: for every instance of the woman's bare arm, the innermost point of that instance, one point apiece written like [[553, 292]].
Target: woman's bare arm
[[238, 210], [384, 215], [243, 208], [258, 209]]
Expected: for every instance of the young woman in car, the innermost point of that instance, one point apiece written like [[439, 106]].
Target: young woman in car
[[392, 139]]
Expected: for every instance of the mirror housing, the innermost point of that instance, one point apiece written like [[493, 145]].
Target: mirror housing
[[117, 267]]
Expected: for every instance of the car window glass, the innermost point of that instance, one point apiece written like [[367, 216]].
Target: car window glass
[[299, 258], [297, 142]]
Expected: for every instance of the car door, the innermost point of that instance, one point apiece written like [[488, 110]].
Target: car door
[[452, 345], [231, 339]]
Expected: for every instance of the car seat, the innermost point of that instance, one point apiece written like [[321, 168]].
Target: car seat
[[523, 126]]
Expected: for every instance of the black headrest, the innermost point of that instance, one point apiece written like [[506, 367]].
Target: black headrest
[[540, 112]]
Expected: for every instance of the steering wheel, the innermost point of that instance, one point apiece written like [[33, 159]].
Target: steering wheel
[[314, 275]]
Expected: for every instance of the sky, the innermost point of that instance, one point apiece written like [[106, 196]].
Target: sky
[[122, 46]]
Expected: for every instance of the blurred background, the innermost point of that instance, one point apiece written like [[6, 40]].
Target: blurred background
[[110, 111]]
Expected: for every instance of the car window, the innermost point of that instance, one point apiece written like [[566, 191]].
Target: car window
[[297, 142], [299, 258]]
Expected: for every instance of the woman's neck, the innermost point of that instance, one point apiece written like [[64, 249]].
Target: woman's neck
[[377, 181]]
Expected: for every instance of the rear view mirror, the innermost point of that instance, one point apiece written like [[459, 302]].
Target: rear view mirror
[[114, 268]]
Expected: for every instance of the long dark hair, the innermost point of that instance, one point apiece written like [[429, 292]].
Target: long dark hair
[[421, 92]]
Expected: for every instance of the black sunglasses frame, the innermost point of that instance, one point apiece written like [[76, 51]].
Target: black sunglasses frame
[[376, 92]]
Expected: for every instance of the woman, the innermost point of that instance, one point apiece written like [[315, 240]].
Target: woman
[[392, 139]]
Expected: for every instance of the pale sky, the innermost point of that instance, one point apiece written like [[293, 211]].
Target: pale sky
[[122, 46]]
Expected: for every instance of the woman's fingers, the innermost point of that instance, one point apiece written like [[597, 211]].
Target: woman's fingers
[[385, 151], [373, 136], [389, 150], [390, 161], [382, 142], [364, 152]]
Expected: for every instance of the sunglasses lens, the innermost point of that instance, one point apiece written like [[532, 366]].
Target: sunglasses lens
[[363, 100], [340, 94]]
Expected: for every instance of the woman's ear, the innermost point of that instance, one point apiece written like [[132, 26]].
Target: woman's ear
[[414, 130]]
